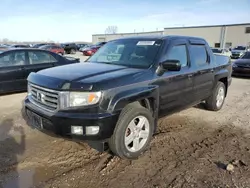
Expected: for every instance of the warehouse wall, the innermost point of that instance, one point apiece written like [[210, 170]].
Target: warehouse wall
[[237, 35], [102, 37], [230, 35], [211, 34]]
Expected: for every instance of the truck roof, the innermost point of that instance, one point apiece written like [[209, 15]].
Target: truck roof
[[162, 37]]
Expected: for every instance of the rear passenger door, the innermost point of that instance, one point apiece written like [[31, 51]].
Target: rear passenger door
[[204, 76], [39, 60]]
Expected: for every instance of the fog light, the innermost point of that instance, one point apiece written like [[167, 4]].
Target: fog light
[[92, 130], [77, 130]]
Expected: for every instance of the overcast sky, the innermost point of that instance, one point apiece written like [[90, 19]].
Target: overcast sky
[[77, 20]]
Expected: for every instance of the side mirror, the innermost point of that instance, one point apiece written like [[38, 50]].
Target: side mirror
[[171, 65]]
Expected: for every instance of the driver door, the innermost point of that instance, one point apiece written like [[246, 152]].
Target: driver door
[[176, 88]]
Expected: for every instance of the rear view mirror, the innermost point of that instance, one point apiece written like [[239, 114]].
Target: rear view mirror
[[171, 65]]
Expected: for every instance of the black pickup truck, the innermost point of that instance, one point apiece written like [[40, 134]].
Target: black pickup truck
[[115, 97]]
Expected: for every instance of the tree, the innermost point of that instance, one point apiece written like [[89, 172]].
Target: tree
[[5, 40], [112, 29]]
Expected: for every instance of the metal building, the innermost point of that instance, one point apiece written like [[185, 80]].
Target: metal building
[[107, 37], [216, 35]]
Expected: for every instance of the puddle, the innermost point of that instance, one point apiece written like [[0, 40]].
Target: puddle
[[25, 178]]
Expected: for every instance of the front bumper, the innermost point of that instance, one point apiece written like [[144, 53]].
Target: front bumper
[[59, 123], [238, 71]]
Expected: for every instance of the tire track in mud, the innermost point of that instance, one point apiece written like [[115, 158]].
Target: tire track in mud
[[171, 129], [167, 162]]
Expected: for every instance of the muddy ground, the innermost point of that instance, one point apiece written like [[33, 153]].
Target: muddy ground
[[191, 149]]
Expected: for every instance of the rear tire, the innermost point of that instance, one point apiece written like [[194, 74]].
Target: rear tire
[[133, 132], [216, 100]]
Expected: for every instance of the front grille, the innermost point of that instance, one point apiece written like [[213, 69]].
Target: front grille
[[45, 98]]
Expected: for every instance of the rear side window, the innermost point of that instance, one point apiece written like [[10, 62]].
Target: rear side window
[[40, 58], [199, 55], [178, 53]]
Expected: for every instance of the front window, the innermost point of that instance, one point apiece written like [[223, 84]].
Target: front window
[[215, 50], [128, 52], [240, 48], [246, 56]]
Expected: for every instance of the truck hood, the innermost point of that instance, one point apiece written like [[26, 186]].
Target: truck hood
[[84, 76]]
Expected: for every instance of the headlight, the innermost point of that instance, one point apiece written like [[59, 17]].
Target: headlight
[[75, 99], [28, 89]]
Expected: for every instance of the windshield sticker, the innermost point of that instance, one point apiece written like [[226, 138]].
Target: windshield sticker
[[145, 43]]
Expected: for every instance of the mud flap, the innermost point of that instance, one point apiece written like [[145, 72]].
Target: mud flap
[[100, 146]]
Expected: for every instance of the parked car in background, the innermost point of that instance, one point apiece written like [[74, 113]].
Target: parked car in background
[[79, 46], [3, 47], [100, 43], [20, 46], [53, 48], [115, 98], [92, 49], [69, 48], [241, 66], [239, 51], [41, 44], [83, 48], [16, 64], [221, 51]]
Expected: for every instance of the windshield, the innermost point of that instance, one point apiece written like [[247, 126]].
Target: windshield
[[216, 50], [240, 48], [128, 52], [246, 56]]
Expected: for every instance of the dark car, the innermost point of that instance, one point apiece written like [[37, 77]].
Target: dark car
[[42, 44], [17, 64], [53, 48], [241, 67], [69, 48], [19, 46], [114, 99]]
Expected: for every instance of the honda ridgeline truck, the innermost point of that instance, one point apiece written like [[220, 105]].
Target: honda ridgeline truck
[[114, 98]]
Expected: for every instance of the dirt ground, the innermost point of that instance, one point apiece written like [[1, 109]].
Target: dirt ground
[[191, 149]]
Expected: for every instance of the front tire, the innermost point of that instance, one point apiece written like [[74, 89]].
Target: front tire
[[133, 132], [216, 100]]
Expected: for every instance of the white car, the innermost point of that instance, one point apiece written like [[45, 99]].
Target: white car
[[221, 51]]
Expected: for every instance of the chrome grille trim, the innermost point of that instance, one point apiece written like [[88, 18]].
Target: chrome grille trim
[[44, 98]]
